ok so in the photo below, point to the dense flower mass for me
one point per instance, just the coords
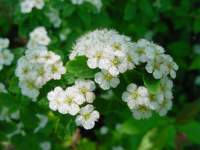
(28, 5)
(96, 3)
(70, 101)
(114, 54)
(6, 57)
(141, 102)
(39, 65)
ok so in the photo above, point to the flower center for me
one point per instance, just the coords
(83, 90)
(86, 116)
(68, 100)
(116, 46)
(107, 77)
(134, 95)
(115, 61)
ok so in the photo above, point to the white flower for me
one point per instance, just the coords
(135, 96)
(56, 70)
(39, 35)
(155, 99)
(38, 65)
(29, 88)
(87, 117)
(166, 86)
(96, 58)
(164, 107)
(142, 50)
(39, 4)
(2, 88)
(27, 6)
(116, 65)
(106, 80)
(55, 98)
(170, 66)
(4, 43)
(86, 88)
(161, 66)
(142, 111)
(66, 102)
(6, 57)
(105, 49)
(71, 101)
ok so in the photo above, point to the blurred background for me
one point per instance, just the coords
(174, 24)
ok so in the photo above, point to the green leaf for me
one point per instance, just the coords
(191, 129)
(158, 138)
(78, 67)
(130, 11)
(151, 84)
(196, 25)
(86, 144)
(196, 63)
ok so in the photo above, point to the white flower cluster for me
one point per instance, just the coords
(28, 5)
(141, 102)
(2, 88)
(157, 62)
(71, 101)
(6, 57)
(39, 39)
(114, 54)
(39, 65)
(96, 3)
(108, 51)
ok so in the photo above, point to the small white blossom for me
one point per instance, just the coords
(4, 43)
(87, 117)
(39, 35)
(86, 88)
(106, 80)
(135, 96)
(28, 5)
(6, 57)
(55, 98)
(164, 107)
(142, 111)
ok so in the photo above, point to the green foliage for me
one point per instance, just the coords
(78, 67)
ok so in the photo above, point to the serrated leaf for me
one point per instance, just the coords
(78, 67)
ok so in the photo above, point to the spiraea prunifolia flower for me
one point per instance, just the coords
(39, 65)
(6, 57)
(28, 5)
(71, 101)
